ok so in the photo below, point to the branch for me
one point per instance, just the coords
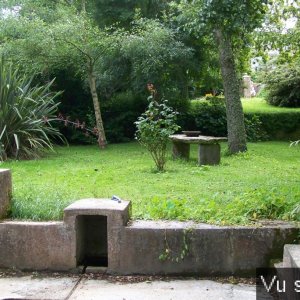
(76, 47)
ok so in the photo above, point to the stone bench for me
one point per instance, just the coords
(209, 148)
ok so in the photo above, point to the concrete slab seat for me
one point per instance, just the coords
(209, 148)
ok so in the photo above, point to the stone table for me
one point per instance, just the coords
(209, 148)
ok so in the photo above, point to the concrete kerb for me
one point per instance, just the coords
(139, 247)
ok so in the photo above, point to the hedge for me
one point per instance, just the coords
(210, 119)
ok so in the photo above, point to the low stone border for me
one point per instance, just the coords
(140, 247)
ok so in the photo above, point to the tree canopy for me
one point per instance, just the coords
(114, 48)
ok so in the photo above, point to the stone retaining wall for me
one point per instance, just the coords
(211, 250)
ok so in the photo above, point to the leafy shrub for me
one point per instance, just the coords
(210, 117)
(154, 127)
(254, 129)
(283, 85)
(120, 114)
(25, 115)
(277, 125)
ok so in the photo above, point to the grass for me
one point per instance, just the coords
(262, 183)
(259, 105)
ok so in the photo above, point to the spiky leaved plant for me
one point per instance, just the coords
(26, 112)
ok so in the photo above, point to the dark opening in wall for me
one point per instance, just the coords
(91, 240)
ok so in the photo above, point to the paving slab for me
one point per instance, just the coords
(91, 289)
(28, 287)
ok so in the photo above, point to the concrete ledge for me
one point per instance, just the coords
(291, 256)
(5, 192)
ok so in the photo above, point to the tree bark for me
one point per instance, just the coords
(99, 121)
(83, 5)
(234, 110)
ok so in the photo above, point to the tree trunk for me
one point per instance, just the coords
(234, 110)
(83, 5)
(99, 122)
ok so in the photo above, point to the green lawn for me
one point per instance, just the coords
(262, 183)
(259, 105)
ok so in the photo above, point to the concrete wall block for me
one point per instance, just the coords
(5, 192)
(291, 256)
(36, 246)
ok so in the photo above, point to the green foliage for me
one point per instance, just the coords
(262, 121)
(25, 115)
(254, 129)
(280, 125)
(168, 209)
(295, 213)
(154, 127)
(254, 205)
(155, 55)
(122, 13)
(120, 114)
(71, 39)
(230, 22)
(235, 16)
(275, 35)
(210, 118)
(251, 205)
(283, 85)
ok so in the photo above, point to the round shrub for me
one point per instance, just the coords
(283, 86)
(154, 127)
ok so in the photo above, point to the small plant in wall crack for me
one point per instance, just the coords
(172, 255)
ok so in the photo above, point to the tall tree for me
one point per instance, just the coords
(229, 21)
(71, 39)
(76, 32)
